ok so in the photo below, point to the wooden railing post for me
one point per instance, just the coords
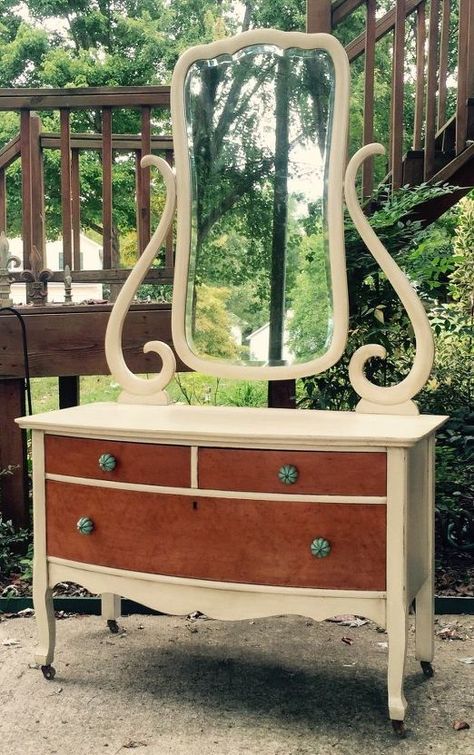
(397, 95)
(431, 85)
(369, 77)
(107, 185)
(143, 183)
(443, 61)
(37, 188)
(66, 209)
(26, 198)
(420, 76)
(76, 209)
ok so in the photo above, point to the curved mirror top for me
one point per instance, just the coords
(258, 126)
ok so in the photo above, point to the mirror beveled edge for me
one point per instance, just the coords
(336, 168)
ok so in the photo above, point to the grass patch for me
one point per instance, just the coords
(188, 387)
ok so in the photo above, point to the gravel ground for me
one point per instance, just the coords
(283, 686)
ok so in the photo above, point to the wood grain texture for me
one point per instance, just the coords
(319, 472)
(257, 542)
(26, 203)
(107, 187)
(66, 206)
(136, 462)
(83, 97)
(82, 352)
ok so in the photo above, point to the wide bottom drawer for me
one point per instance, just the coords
(226, 540)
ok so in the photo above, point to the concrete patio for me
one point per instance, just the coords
(274, 687)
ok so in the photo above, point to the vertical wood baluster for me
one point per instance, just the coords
(443, 62)
(430, 126)
(397, 95)
(318, 16)
(461, 104)
(66, 209)
(107, 187)
(38, 237)
(368, 136)
(26, 225)
(138, 202)
(470, 55)
(420, 76)
(145, 177)
(76, 209)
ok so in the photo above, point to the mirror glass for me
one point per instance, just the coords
(258, 128)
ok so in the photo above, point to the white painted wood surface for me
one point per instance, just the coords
(237, 426)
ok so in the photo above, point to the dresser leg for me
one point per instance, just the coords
(46, 625)
(424, 625)
(111, 609)
(397, 629)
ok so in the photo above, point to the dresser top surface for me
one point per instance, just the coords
(234, 425)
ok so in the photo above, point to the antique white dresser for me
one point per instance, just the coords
(245, 512)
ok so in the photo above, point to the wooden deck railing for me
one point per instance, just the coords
(438, 132)
(441, 128)
(29, 145)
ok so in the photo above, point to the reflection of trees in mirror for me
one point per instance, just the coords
(258, 127)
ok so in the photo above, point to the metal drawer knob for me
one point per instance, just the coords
(320, 547)
(85, 525)
(288, 474)
(107, 462)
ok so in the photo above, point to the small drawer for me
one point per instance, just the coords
(122, 461)
(293, 472)
(294, 543)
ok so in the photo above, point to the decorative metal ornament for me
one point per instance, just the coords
(320, 547)
(85, 525)
(288, 474)
(37, 279)
(107, 462)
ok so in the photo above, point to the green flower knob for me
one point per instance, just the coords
(288, 474)
(85, 525)
(107, 462)
(320, 548)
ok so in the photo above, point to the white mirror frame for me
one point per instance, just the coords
(335, 221)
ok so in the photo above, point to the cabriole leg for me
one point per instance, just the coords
(397, 629)
(111, 608)
(46, 625)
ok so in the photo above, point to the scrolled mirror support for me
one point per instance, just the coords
(395, 399)
(138, 390)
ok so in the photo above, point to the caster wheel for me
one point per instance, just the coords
(113, 626)
(49, 672)
(427, 668)
(399, 728)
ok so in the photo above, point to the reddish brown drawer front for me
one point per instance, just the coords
(318, 472)
(262, 542)
(135, 462)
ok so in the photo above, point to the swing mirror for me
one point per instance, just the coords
(258, 126)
